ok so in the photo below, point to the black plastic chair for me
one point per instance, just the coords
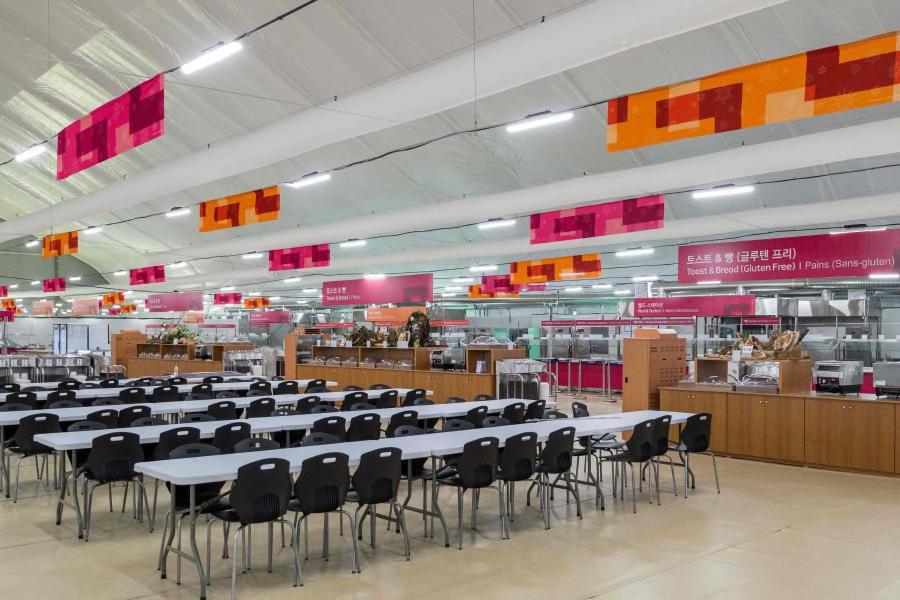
(358, 406)
(226, 410)
(58, 395)
(130, 413)
(322, 488)
(593, 447)
(554, 414)
(305, 405)
(29, 398)
(78, 457)
(495, 421)
(203, 388)
(256, 444)
(409, 418)
(366, 426)
(89, 385)
(333, 425)
(413, 395)
(315, 384)
(132, 395)
(352, 388)
(261, 407)
(111, 460)
(107, 416)
(198, 396)
(379, 386)
(10, 387)
(197, 418)
(106, 402)
(164, 393)
(278, 378)
(457, 425)
(535, 410)
(110, 382)
(694, 439)
(10, 430)
(287, 387)
(377, 481)
(318, 438)
(660, 440)
(68, 384)
(213, 379)
(226, 437)
(319, 409)
(387, 399)
(477, 415)
(176, 381)
(64, 404)
(556, 459)
(514, 413)
(23, 446)
(140, 382)
(517, 462)
(454, 400)
(261, 386)
(638, 449)
(226, 394)
(475, 469)
(482, 398)
(353, 398)
(148, 422)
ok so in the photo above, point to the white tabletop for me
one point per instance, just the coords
(193, 471)
(77, 440)
(339, 396)
(148, 390)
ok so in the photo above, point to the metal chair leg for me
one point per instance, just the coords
(715, 471)
(459, 516)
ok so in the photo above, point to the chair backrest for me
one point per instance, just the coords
(113, 456)
(132, 395)
(319, 438)
(193, 450)
(514, 413)
(222, 411)
(535, 410)
(198, 396)
(226, 394)
(175, 438)
(413, 395)
(262, 490)
(177, 381)
(280, 378)
(164, 393)
(106, 402)
(62, 395)
(579, 410)
(639, 447)
(352, 388)
(696, 432)
(323, 408)
(352, 398)
(409, 418)
(422, 402)
(387, 399)
(140, 382)
(495, 421)
(254, 379)
(555, 414)
(482, 398)
(315, 390)
(362, 406)
(10, 387)
(235, 380)
(454, 400)
(148, 422)
(203, 388)
(315, 384)
(213, 379)
(197, 418)
(261, 407)
(256, 444)
(457, 425)
(305, 405)
(323, 483)
(407, 430)
(86, 426)
(29, 398)
(660, 434)
(379, 386)
(287, 387)
(518, 456)
(227, 436)
(377, 478)
(109, 383)
(32, 425)
(477, 415)
(68, 384)
(107, 416)
(261, 386)
(130, 414)
(64, 404)
(366, 426)
(89, 385)
(333, 425)
(477, 465)
(556, 457)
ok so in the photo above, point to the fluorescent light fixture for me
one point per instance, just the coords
(30, 153)
(722, 192)
(92, 230)
(775, 289)
(352, 243)
(574, 289)
(884, 275)
(252, 256)
(601, 286)
(453, 288)
(310, 291)
(450, 295)
(178, 212)
(709, 282)
(302, 301)
(32, 243)
(855, 229)
(178, 265)
(227, 288)
(311, 179)
(14, 286)
(293, 279)
(274, 298)
(482, 268)
(254, 294)
(539, 121)
(35, 283)
(211, 56)
(121, 273)
(495, 223)
(463, 280)
(129, 293)
(374, 276)
(57, 304)
(622, 292)
(75, 278)
(641, 278)
(635, 252)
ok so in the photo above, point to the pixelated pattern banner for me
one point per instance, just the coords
(818, 82)
(302, 257)
(4, 291)
(135, 117)
(257, 206)
(477, 291)
(256, 302)
(8, 304)
(143, 275)
(59, 244)
(562, 268)
(494, 284)
(234, 298)
(112, 298)
(622, 216)
(57, 284)
(128, 308)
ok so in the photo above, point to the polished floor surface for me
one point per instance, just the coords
(774, 532)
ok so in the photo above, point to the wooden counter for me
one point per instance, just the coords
(181, 355)
(822, 430)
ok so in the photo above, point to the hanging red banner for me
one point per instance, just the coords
(562, 268)
(695, 306)
(608, 218)
(174, 302)
(246, 208)
(302, 257)
(400, 289)
(7, 316)
(232, 298)
(144, 275)
(59, 244)
(264, 318)
(4, 291)
(132, 119)
(477, 292)
(42, 308)
(82, 307)
(56, 284)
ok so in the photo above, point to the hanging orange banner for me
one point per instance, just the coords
(128, 308)
(562, 268)
(477, 292)
(256, 302)
(257, 206)
(819, 82)
(58, 244)
(8, 304)
(112, 298)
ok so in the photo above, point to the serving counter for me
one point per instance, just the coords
(152, 359)
(857, 433)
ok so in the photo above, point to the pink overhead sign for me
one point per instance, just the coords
(695, 306)
(175, 302)
(42, 308)
(85, 306)
(608, 218)
(401, 289)
(269, 317)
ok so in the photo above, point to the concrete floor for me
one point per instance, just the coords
(774, 532)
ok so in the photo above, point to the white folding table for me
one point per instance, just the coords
(184, 388)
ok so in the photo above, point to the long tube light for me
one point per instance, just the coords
(92, 230)
(212, 56)
(884, 275)
(252, 255)
(120, 273)
(601, 286)
(622, 292)
(855, 229)
(539, 121)
(641, 278)
(635, 252)
(352, 244)
(710, 282)
(463, 280)
(32, 243)
(374, 276)
(293, 279)
(482, 268)
(311, 179)
(722, 192)
(494, 224)
(30, 153)
(178, 212)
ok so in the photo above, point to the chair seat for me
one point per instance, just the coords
(219, 506)
(452, 479)
(607, 444)
(294, 506)
(38, 449)
(680, 447)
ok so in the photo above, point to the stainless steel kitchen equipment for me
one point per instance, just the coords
(838, 376)
(887, 378)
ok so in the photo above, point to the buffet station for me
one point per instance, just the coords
(175, 350)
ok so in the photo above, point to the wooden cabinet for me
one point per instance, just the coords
(651, 359)
(850, 434)
(689, 400)
(746, 424)
(785, 429)
(765, 426)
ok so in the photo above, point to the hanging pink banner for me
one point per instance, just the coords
(42, 308)
(175, 302)
(617, 322)
(144, 275)
(7, 316)
(134, 118)
(232, 298)
(302, 257)
(57, 284)
(608, 218)
(4, 291)
(695, 306)
(265, 318)
(806, 257)
(401, 289)
(770, 320)
(83, 307)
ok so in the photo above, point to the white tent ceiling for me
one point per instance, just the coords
(337, 47)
